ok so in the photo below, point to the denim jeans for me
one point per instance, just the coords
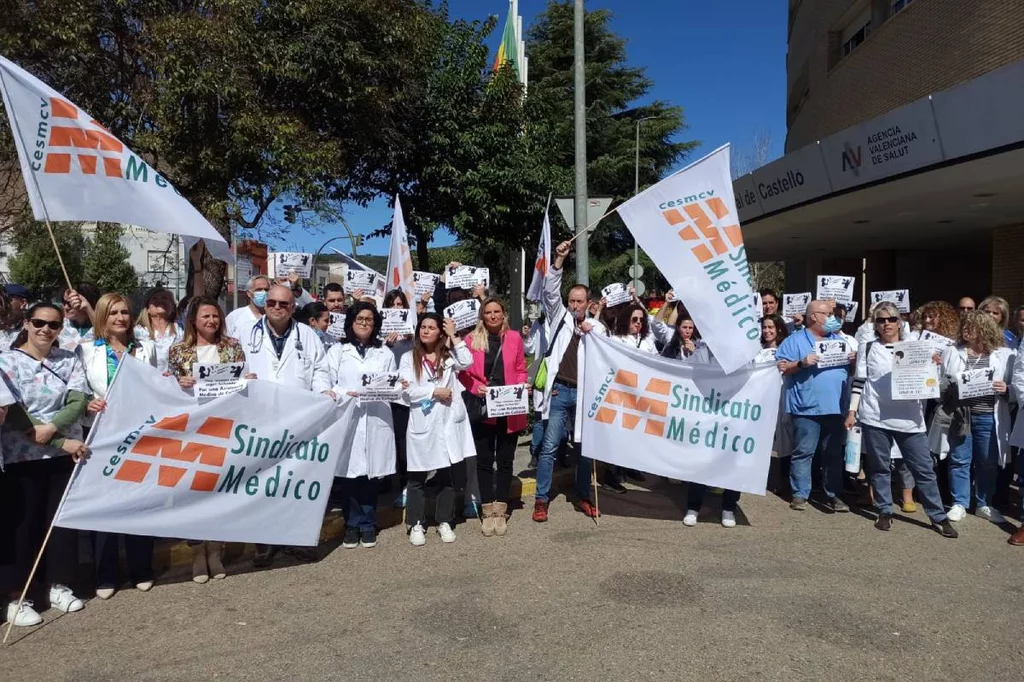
(539, 427)
(916, 457)
(359, 502)
(980, 447)
(561, 416)
(808, 433)
(695, 498)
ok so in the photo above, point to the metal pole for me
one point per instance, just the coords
(636, 190)
(580, 117)
(234, 270)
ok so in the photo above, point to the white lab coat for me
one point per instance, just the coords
(303, 363)
(373, 446)
(439, 435)
(954, 360)
(239, 321)
(94, 359)
(535, 343)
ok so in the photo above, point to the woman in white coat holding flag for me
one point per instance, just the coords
(439, 437)
(372, 455)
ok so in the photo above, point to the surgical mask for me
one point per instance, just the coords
(832, 324)
(259, 299)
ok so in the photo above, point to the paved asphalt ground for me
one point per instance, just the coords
(784, 596)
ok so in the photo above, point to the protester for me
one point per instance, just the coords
(79, 305)
(439, 437)
(293, 282)
(686, 339)
(769, 302)
(400, 344)
(885, 421)
(372, 455)
(979, 429)
(334, 297)
(157, 323)
(999, 310)
(498, 359)
(19, 296)
(814, 398)
(10, 325)
(316, 316)
(1018, 321)
(535, 344)
(49, 389)
(965, 305)
(241, 320)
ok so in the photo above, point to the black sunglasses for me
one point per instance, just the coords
(271, 303)
(892, 320)
(636, 319)
(39, 324)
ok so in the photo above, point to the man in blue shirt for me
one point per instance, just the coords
(814, 398)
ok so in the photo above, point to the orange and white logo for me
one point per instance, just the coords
(623, 399)
(699, 230)
(80, 144)
(174, 457)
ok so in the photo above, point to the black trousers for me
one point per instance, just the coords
(494, 445)
(29, 495)
(445, 481)
(138, 551)
(400, 419)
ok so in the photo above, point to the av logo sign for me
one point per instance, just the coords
(87, 143)
(633, 405)
(851, 158)
(174, 457)
(705, 240)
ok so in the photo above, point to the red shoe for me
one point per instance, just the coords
(540, 511)
(586, 508)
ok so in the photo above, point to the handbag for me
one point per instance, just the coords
(540, 380)
(476, 407)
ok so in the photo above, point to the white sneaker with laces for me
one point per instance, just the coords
(64, 600)
(956, 513)
(24, 617)
(990, 514)
(729, 519)
(417, 536)
(691, 518)
(446, 533)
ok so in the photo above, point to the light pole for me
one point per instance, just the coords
(636, 190)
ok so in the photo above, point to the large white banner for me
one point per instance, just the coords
(74, 169)
(540, 265)
(255, 466)
(683, 420)
(688, 225)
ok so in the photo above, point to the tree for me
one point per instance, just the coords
(106, 263)
(35, 265)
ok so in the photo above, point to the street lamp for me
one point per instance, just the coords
(636, 190)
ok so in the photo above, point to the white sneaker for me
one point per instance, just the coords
(691, 518)
(64, 600)
(147, 585)
(729, 519)
(956, 513)
(417, 536)
(989, 514)
(26, 616)
(446, 533)
(104, 592)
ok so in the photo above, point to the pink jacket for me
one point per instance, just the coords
(513, 360)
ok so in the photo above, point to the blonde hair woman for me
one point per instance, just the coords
(998, 309)
(156, 323)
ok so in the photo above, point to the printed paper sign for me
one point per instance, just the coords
(759, 307)
(901, 297)
(765, 355)
(367, 280)
(832, 353)
(220, 378)
(915, 376)
(396, 321)
(424, 283)
(976, 383)
(505, 401)
(838, 288)
(795, 304)
(380, 387)
(938, 342)
(851, 311)
(467, 277)
(336, 329)
(464, 313)
(286, 262)
(616, 294)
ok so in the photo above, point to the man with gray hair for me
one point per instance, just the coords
(239, 322)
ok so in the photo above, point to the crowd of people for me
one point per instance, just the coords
(59, 360)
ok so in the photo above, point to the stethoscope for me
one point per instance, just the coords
(258, 332)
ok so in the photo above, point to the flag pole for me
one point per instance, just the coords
(593, 478)
(592, 225)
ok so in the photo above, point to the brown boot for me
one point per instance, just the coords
(489, 520)
(199, 571)
(1018, 537)
(214, 554)
(500, 519)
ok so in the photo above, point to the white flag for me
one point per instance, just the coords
(75, 169)
(255, 466)
(688, 225)
(400, 272)
(683, 420)
(540, 266)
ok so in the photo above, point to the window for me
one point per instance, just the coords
(897, 5)
(859, 36)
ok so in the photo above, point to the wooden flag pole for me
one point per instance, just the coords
(592, 225)
(53, 238)
(593, 478)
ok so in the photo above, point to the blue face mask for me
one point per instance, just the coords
(832, 324)
(259, 299)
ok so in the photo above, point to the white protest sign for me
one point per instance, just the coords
(464, 313)
(683, 420)
(467, 277)
(380, 387)
(765, 355)
(851, 311)
(759, 306)
(937, 341)
(424, 282)
(795, 304)
(216, 379)
(396, 321)
(832, 353)
(838, 288)
(976, 383)
(366, 280)
(901, 297)
(915, 376)
(245, 467)
(616, 294)
(336, 328)
(283, 263)
(505, 401)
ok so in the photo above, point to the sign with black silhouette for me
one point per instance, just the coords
(285, 262)
(467, 277)
(616, 293)
(379, 387)
(365, 280)
(505, 401)
(938, 342)
(838, 288)
(396, 321)
(976, 383)
(424, 283)
(915, 376)
(220, 378)
(795, 304)
(464, 313)
(336, 327)
(901, 297)
(832, 353)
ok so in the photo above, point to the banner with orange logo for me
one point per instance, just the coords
(678, 419)
(75, 169)
(255, 466)
(689, 226)
(400, 272)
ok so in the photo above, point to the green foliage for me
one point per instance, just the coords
(36, 265)
(106, 262)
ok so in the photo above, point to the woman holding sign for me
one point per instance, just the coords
(206, 342)
(498, 360)
(352, 363)
(439, 437)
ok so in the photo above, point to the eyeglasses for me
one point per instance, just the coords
(883, 320)
(271, 303)
(363, 320)
(39, 324)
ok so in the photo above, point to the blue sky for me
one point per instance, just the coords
(723, 62)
